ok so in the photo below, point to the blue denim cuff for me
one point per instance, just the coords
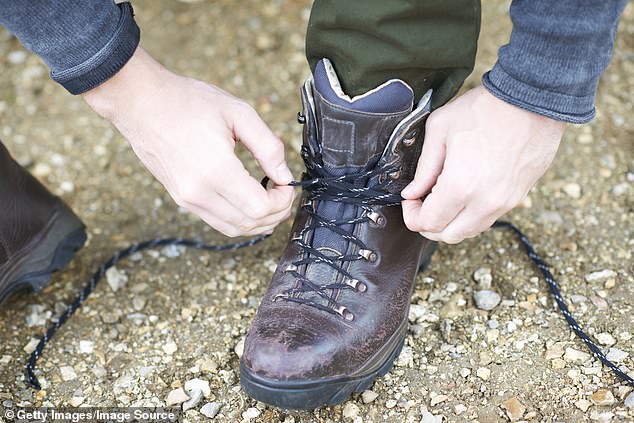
(107, 61)
(558, 106)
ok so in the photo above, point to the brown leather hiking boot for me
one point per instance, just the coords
(335, 314)
(39, 234)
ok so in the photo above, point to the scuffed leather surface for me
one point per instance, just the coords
(295, 342)
(25, 207)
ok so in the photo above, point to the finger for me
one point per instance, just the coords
(432, 158)
(267, 148)
(281, 197)
(242, 190)
(468, 224)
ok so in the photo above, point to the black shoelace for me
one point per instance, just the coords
(351, 189)
(334, 189)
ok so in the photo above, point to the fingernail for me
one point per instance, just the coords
(284, 173)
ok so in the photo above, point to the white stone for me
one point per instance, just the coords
(86, 347)
(68, 373)
(583, 404)
(211, 409)
(195, 396)
(483, 277)
(600, 275)
(573, 190)
(465, 372)
(430, 418)
(116, 278)
(239, 348)
(605, 338)
(351, 410)
(198, 384)
(170, 348)
(437, 399)
(251, 413)
(629, 401)
(171, 251)
(368, 396)
(76, 401)
(176, 396)
(483, 373)
(486, 300)
(405, 358)
(575, 355)
(460, 408)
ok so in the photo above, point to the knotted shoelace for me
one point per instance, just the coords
(334, 189)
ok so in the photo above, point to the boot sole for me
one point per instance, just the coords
(50, 252)
(311, 395)
(308, 395)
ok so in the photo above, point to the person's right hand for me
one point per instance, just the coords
(185, 131)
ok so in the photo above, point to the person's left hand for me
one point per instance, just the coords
(480, 158)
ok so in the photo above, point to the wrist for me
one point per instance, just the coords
(124, 93)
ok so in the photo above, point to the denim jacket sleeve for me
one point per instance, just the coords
(557, 52)
(83, 43)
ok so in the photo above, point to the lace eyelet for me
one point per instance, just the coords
(410, 138)
(395, 174)
(376, 218)
(290, 268)
(344, 312)
(301, 119)
(369, 255)
(356, 284)
(279, 297)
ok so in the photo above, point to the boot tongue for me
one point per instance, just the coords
(354, 131)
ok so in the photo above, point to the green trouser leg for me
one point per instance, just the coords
(426, 43)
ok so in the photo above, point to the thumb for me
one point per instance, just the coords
(266, 148)
(431, 160)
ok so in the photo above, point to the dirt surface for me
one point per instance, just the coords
(181, 315)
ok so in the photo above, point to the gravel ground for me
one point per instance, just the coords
(177, 319)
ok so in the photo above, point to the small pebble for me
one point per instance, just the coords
(351, 410)
(486, 300)
(483, 277)
(483, 373)
(368, 396)
(575, 355)
(603, 397)
(583, 404)
(573, 190)
(460, 408)
(437, 399)
(68, 373)
(605, 338)
(514, 409)
(390, 403)
(629, 401)
(405, 358)
(251, 413)
(170, 348)
(616, 355)
(198, 385)
(211, 409)
(76, 401)
(600, 276)
(195, 396)
(86, 347)
(116, 279)
(176, 396)
(239, 348)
